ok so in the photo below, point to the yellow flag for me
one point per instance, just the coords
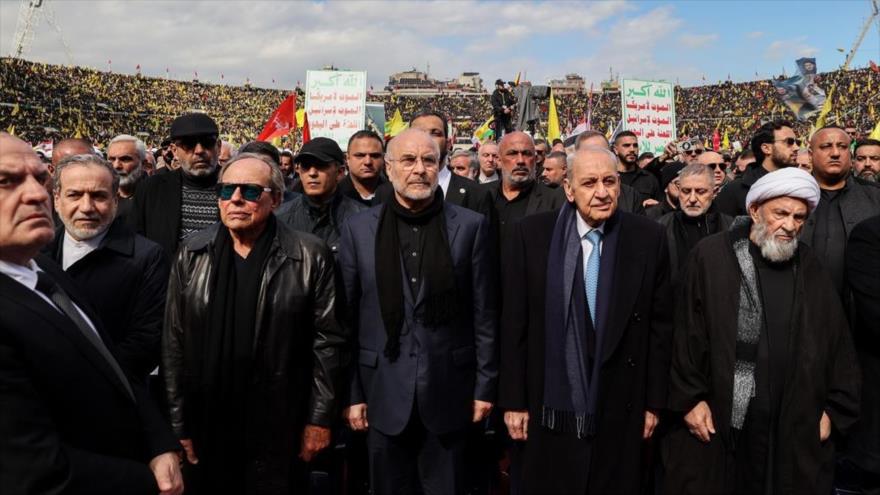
(826, 108)
(15, 110)
(516, 81)
(553, 120)
(299, 117)
(484, 131)
(396, 125)
(852, 86)
(725, 143)
(11, 130)
(875, 134)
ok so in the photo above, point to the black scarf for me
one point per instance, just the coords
(441, 303)
(224, 355)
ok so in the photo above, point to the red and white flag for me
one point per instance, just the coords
(282, 121)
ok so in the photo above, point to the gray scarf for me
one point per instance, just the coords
(749, 321)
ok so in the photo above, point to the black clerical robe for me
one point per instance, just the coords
(821, 375)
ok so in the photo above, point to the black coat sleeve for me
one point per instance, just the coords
(661, 330)
(863, 274)
(689, 380)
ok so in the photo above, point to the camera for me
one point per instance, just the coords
(685, 146)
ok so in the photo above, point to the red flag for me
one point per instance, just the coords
(716, 140)
(282, 121)
(874, 66)
(307, 135)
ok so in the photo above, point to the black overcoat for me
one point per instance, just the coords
(824, 375)
(635, 358)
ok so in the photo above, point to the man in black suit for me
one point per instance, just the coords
(418, 273)
(518, 194)
(587, 329)
(123, 275)
(72, 421)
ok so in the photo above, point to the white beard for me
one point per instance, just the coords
(772, 248)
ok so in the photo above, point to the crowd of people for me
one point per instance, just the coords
(531, 317)
(46, 101)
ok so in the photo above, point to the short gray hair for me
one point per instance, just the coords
(569, 172)
(86, 159)
(696, 169)
(276, 178)
(473, 163)
(138, 144)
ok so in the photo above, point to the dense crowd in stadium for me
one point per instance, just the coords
(41, 101)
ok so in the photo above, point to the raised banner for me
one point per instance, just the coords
(649, 112)
(336, 103)
(800, 93)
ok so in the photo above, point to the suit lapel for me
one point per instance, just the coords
(36, 307)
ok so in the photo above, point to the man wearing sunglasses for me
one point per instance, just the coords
(322, 208)
(173, 205)
(775, 146)
(715, 163)
(252, 351)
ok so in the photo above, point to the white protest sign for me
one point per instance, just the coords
(649, 112)
(336, 103)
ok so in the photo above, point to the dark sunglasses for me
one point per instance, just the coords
(250, 192)
(694, 152)
(788, 141)
(713, 166)
(190, 142)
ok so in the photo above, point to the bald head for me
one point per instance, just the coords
(70, 147)
(513, 139)
(413, 166)
(517, 152)
(592, 156)
(407, 138)
(822, 135)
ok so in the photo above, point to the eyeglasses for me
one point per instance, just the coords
(697, 152)
(250, 192)
(789, 141)
(409, 161)
(713, 166)
(190, 142)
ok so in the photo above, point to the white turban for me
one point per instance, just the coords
(790, 181)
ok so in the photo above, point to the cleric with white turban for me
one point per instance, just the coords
(792, 182)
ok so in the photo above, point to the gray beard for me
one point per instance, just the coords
(128, 180)
(773, 249)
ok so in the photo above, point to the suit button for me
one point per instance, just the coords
(629, 406)
(637, 317)
(630, 362)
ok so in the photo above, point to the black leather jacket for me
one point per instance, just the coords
(300, 348)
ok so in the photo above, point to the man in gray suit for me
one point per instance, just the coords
(427, 360)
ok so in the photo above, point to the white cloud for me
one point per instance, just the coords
(789, 49)
(697, 40)
(753, 35)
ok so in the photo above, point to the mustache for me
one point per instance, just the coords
(520, 168)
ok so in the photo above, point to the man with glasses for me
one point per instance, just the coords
(775, 146)
(542, 149)
(518, 194)
(419, 274)
(714, 162)
(175, 204)
(845, 201)
(127, 155)
(252, 351)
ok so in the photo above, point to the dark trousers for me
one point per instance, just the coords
(417, 461)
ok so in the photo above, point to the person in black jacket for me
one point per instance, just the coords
(173, 205)
(72, 419)
(626, 146)
(246, 394)
(863, 274)
(502, 109)
(123, 275)
(366, 165)
(775, 146)
(322, 209)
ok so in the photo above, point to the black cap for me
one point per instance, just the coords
(325, 150)
(669, 173)
(193, 124)
(499, 82)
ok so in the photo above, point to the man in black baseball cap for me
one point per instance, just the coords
(322, 208)
(177, 203)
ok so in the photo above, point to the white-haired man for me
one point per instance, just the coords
(127, 154)
(763, 367)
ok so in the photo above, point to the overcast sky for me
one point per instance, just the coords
(684, 41)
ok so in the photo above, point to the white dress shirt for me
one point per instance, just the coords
(74, 250)
(443, 178)
(27, 276)
(584, 229)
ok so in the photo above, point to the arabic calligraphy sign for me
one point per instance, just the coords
(336, 103)
(649, 112)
